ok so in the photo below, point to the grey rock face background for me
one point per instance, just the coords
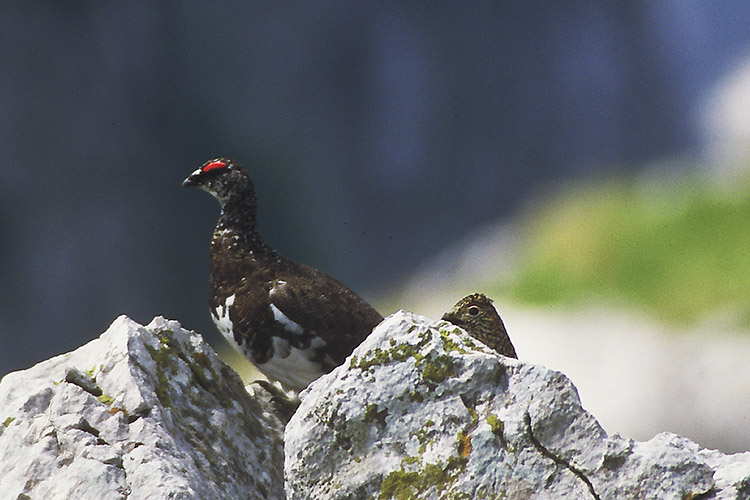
(140, 412)
(374, 131)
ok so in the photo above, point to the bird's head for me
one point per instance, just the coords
(225, 180)
(473, 310)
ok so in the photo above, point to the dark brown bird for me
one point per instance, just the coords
(476, 314)
(295, 323)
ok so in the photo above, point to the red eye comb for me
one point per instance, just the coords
(214, 165)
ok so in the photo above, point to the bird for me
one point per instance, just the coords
(476, 314)
(292, 321)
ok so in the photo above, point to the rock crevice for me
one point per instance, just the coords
(559, 461)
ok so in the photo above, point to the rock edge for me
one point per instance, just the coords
(422, 410)
(140, 412)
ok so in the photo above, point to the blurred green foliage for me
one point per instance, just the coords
(676, 247)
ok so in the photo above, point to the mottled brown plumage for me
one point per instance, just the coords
(476, 314)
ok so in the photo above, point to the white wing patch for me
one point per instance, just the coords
(289, 365)
(287, 323)
(221, 320)
(292, 366)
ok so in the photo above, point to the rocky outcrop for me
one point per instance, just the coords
(421, 410)
(141, 412)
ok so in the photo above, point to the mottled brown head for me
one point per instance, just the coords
(476, 314)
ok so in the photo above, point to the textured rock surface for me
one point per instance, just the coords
(422, 410)
(140, 412)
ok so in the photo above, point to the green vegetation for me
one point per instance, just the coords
(679, 249)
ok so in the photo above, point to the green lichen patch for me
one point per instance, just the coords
(8, 421)
(378, 356)
(167, 355)
(397, 352)
(474, 417)
(200, 367)
(425, 435)
(372, 414)
(438, 369)
(496, 425)
(404, 485)
(371, 409)
(350, 437)
(164, 362)
(107, 400)
(464, 345)
(413, 396)
(433, 369)
(450, 345)
(165, 339)
(325, 412)
(202, 360)
(498, 429)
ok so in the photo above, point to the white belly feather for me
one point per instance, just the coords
(221, 320)
(289, 365)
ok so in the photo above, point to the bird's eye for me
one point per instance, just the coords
(473, 311)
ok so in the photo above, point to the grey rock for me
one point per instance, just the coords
(422, 410)
(140, 412)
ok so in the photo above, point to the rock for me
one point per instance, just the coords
(140, 412)
(422, 410)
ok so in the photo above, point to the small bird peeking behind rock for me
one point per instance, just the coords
(476, 314)
(293, 322)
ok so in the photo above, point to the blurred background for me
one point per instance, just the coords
(585, 165)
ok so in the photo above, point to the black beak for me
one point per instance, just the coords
(191, 181)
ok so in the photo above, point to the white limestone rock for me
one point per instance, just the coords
(422, 410)
(140, 412)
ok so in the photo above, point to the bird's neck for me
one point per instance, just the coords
(239, 215)
(236, 233)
